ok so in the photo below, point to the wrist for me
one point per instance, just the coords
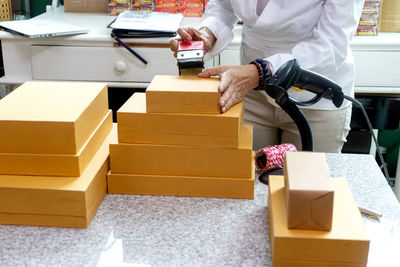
(262, 70)
(255, 77)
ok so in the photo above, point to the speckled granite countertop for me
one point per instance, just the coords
(133, 230)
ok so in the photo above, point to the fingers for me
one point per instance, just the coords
(189, 34)
(225, 87)
(231, 93)
(212, 72)
(225, 82)
(174, 45)
(229, 98)
(186, 34)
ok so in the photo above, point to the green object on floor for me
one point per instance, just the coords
(390, 139)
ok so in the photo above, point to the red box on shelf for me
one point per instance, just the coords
(191, 8)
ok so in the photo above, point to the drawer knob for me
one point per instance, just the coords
(120, 66)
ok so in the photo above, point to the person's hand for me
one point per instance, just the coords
(236, 81)
(192, 34)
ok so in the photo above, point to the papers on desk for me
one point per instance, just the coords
(146, 24)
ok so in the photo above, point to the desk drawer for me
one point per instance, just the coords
(113, 64)
(377, 68)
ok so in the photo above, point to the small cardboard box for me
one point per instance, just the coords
(189, 186)
(184, 160)
(137, 126)
(347, 243)
(183, 94)
(309, 191)
(57, 165)
(56, 201)
(51, 117)
(88, 6)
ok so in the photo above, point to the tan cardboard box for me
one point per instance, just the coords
(57, 165)
(188, 186)
(184, 160)
(309, 191)
(137, 126)
(56, 201)
(88, 6)
(51, 117)
(347, 243)
(183, 94)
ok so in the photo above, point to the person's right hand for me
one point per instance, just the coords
(192, 34)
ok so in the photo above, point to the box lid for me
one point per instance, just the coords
(183, 94)
(51, 117)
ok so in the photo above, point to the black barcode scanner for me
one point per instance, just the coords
(291, 76)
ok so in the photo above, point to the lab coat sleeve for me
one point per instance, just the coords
(328, 46)
(220, 18)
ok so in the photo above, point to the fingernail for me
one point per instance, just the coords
(222, 103)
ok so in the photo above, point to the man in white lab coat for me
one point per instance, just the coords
(316, 32)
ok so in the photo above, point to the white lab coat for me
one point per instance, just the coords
(316, 32)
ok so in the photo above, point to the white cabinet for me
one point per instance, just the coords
(230, 57)
(376, 58)
(377, 68)
(112, 64)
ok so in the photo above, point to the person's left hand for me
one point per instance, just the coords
(236, 81)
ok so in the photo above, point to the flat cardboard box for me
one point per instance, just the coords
(185, 186)
(184, 160)
(88, 6)
(55, 201)
(137, 126)
(57, 165)
(309, 191)
(347, 243)
(183, 94)
(51, 117)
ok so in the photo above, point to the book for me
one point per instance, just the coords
(146, 24)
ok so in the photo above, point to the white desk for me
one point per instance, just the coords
(85, 57)
(92, 57)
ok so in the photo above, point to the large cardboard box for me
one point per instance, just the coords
(57, 165)
(51, 117)
(56, 201)
(190, 186)
(309, 191)
(88, 6)
(390, 16)
(136, 125)
(347, 243)
(184, 160)
(183, 94)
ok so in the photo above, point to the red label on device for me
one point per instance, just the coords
(191, 45)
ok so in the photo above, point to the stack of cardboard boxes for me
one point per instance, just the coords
(174, 141)
(313, 219)
(54, 153)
